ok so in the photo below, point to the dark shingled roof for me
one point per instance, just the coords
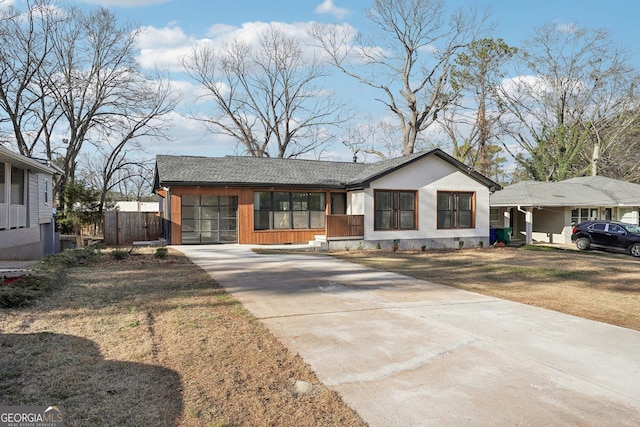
(260, 171)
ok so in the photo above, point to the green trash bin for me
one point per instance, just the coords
(504, 235)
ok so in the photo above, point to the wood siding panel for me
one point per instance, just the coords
(246, 233)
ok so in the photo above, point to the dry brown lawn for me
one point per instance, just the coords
(155, 342)
(594, 285)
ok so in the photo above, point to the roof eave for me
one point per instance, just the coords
(249, 185)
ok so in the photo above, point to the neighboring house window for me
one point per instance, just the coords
(583, 214)
(283, 210)
(395, 210)
(2, 186)
(46, 191)
(17, 186)
(494, 215)
(456, 209)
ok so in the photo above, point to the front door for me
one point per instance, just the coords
(209, 219)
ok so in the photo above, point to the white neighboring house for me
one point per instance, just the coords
(27, 225)
(548, 211)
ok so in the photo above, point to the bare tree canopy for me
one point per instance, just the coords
(265, 96)
(572, 83)
(407, 59)
(69, 82)
(26, 66)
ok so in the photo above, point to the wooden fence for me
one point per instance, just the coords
(123, 228)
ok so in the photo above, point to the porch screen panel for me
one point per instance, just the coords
(317, 205)
(17, 186)
(281, 210)
(300, 210)
(262, 213)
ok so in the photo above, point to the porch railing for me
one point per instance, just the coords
(345, 226)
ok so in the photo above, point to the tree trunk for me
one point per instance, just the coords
(594, 159)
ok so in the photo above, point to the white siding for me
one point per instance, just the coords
(32, 199)
(45, 206)
(428, 176)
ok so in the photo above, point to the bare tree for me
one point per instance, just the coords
(265, 97)
(407, 60)
(118, 149)
(26, 65)
(371, 138)
(572, 82)
(621, 159)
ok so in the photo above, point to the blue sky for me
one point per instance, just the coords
(172, 26)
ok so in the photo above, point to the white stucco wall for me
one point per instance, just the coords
(355, 203)
(428, 176)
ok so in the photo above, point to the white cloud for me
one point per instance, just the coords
(189, 138)
(569, 28)
(124, 3)
(163, 47)
(328, 8)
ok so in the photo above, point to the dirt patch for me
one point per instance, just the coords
(149, 341)
(593, 285)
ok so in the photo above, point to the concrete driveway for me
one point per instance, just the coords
(405, 352)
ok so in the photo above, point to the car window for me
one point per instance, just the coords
(613, 228)
(633, 229)
(597, 227)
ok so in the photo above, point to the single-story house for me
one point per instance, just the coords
(548, 211)
(426, 198)
(27, 226)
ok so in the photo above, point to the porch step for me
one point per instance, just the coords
(319, 242)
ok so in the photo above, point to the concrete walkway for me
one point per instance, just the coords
(405, 352)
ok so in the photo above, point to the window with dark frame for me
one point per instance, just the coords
(394, 210)
(456, 209)
(283, 210)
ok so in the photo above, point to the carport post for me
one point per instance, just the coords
(528, 219)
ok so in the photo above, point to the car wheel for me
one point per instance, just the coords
(635, 250)
(583, 244)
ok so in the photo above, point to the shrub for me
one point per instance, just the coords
(161, 253)
(120, 254)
